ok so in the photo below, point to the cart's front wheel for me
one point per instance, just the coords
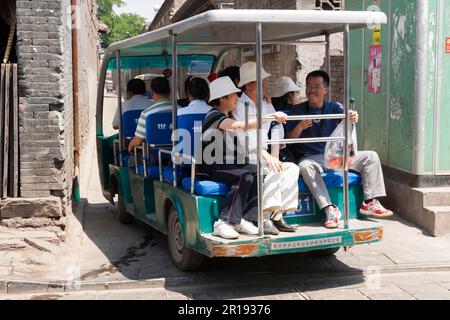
(183, 258)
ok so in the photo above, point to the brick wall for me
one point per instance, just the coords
(337, 77)
(282, 60)
(165, 13)
(46, 97)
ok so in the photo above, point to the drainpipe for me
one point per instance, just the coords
(76, 117)
(420, 90)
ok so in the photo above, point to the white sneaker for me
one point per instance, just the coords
(246, 227)
(224, 230)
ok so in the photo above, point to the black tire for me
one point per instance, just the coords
(182, 257)
(326, 252)
(124, 216)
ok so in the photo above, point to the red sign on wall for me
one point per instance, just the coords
(447, 45)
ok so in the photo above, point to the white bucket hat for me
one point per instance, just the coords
(221, 87)
(282, 86)
(247, 73)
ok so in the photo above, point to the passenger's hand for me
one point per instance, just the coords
(305, 124)
(354, 117)
(280, 116)
(274, 164)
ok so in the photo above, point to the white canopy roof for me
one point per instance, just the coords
(238, 27)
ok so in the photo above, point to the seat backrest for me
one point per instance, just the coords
(190, 124)
(158, 128)
(129, 122)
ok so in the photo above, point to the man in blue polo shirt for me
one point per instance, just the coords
(310, 156)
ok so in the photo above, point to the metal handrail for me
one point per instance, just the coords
(175, 154)
(136, 168)
(309, 117)
(193, 165)
(303, 140)
(115, 144)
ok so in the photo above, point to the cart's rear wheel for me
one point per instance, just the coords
(183, 258)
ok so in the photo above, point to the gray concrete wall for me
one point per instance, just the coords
(88, 65)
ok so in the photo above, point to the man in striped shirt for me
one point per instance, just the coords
(161, 94)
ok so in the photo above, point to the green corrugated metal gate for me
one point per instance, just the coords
(390, 124)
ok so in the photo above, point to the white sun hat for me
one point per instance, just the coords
(247, 73)
(282, 86)
(221, 87)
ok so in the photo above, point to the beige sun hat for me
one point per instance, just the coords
(247, 73)
(221, 87)
(282, 86)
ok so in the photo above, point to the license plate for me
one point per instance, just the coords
(306, 243)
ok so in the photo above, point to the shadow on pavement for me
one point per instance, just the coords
(115, 252)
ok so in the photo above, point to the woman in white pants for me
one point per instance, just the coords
(281, 178)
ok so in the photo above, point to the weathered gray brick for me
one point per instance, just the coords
(33, 107)
(46, 129)
(35, 193)
(36, 165)
(37, 179)
(46, 42)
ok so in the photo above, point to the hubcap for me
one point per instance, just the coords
(178, 236)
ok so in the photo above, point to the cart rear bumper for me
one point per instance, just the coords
(307, 238)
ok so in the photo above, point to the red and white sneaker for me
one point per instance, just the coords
(333, 216)
(375, 209)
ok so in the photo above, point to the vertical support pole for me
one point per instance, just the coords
(246, 104)
(259, 100)
(6, 126)
(2, 123)
(328, 63)
(174, 103)
(119, 105)
(15, 113)
(420, 86)
(346, 123)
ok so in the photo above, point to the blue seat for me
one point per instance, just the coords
(158, 132)
(212, 188)
(332, 179)
(190, 134)
(129, 122)
(205, 187)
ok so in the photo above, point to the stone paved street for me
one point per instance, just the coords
(395, 286)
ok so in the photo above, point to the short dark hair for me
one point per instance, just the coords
(232, 72)
(198, 88)
(186, 85)
(160, 85)
(136, 86)
(320, 73)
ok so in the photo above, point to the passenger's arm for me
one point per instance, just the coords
(297, 131)
(272, 162)
(275, 151)
(136, 141)
(230, 124)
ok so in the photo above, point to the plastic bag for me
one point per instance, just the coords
(334, 150)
